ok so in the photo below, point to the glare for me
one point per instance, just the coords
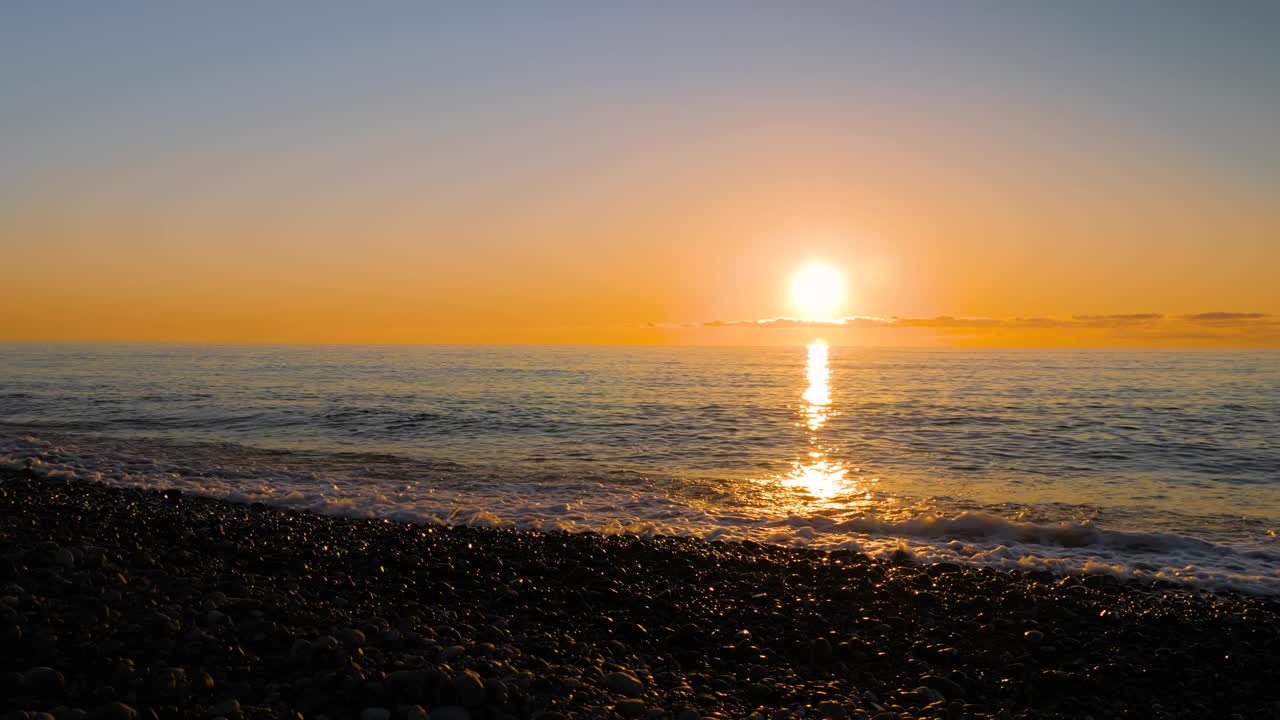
(817, 290)
(817, 396)
(820, 476)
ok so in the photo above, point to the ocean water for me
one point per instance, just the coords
(1150, 464)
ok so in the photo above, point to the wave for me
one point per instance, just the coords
(381, 486)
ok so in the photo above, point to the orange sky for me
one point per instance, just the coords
(640, 218)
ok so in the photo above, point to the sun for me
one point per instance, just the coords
(817, 290)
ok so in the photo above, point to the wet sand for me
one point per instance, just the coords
(123, 603)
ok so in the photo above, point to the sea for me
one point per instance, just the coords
(1154, 465)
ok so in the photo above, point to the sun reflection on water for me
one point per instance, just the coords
(818, 475)
(817, 397)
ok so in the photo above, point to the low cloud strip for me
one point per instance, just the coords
(1205, 324)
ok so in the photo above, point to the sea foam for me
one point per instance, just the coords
(631, 504)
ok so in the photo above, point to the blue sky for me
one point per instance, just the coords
(86, 81)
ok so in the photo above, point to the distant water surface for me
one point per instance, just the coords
(1149, 464)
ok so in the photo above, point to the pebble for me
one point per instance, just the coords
(203, 682)
(928, 694)
(583, 626)
(324, 644)
(630, 707)
(453, 652)
(821, 650)
(351, 637)
(948, 688)
(44, 681)
(113, 711)
(497, 691)
(470, 688)
(831, 710)
(624, 683)
(226, 708)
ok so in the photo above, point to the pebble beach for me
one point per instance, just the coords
(129, 603)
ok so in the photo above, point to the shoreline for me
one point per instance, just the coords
(1219, 554)
(123, 602)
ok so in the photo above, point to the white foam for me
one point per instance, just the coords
(635, 505)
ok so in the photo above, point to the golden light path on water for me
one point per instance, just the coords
(818, 475)
(817, 397)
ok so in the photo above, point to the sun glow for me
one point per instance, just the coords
(817, 290)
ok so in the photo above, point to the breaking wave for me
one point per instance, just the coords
(415, 490)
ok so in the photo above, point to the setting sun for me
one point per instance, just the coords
(817, 290)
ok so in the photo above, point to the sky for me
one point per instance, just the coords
(980, 173)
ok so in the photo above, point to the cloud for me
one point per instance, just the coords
(1126, 320)
(1134, 317)
(947, 321)
(1228, 327)
(1225, 317)
(940, 321)
(789, 322)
